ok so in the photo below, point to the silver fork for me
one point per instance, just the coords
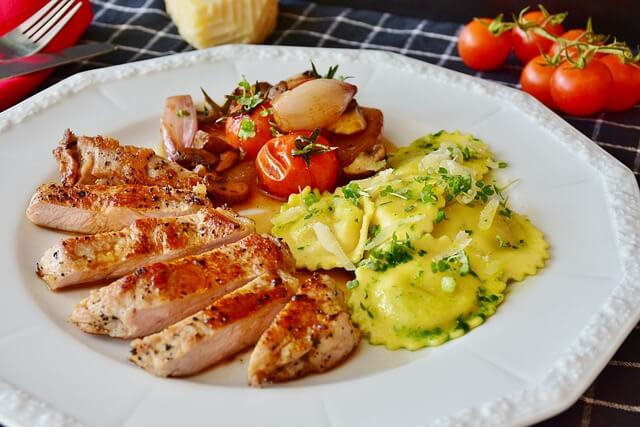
(38, 30)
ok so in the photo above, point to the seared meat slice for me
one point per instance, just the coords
(102, 160)
(110, 255)
(232, 323)
(158, 295)
(311, 334)
(100, 208)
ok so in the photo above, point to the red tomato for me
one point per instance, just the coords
(636, 73)
(481, 50)
(526, 44)
(625, 87)
(249, 132)
(581, 92)
(282, 173)
(574, 34)
(535, 80)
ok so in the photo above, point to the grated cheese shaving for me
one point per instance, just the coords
(329, 242)
(288, 216)
(387, 232)
(488, 213)
(252, 212)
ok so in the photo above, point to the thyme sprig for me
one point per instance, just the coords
(306, 147)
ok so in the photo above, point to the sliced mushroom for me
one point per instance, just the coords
(212, 139)
(349, 147)
(191, 157)
(367, 162)
(229, 191)
(350, 122)
(227, 159)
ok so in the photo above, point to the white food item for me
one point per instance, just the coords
(330, 244)
(488, 213)
(206, 23)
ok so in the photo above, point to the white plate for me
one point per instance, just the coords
(547, 342)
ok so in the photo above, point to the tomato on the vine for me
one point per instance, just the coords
(250, 131)
(527, 44)
(581, 91)
(288, 163)
(571, 35)
(480, 49)
(636, 77)
(625, 85)
(536, 78)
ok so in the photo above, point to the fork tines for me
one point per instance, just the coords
(39, 28)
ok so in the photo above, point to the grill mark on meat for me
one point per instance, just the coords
(311, 334)
(154, 296)
(100, 208)
(226, 327)
(102, 160)
(109, 255)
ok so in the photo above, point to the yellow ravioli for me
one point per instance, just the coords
(405, 306)
(309, 222)
(512, 242)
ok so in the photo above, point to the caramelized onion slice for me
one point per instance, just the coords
(179, 124)
(313, 104)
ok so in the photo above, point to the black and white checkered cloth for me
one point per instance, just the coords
(141, 29)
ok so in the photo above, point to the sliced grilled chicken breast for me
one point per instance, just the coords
(102, 160)
(160, 294)
(229, 325)
(311, 334)
(110, 255)
(100, 208)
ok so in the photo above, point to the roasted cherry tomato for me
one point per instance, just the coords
(535, 80)
(581, 91)
(625, 86)
(288, 163)
(527, 44)
(481, 50)
(250, 131)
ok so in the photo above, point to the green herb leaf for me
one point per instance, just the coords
(503, 165)
(331, 73)
(182, 113)
(374, 230)
(244, 84)
(219, 111)
(310, 198)
(265, 112)
(505, 211)
(247, 129)
(308, 147)
(440, 216)
(466, 153)
(397, 253)
(404, 193)
(427, 195)
(352, 284)
(249, 98)
(352, 192)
